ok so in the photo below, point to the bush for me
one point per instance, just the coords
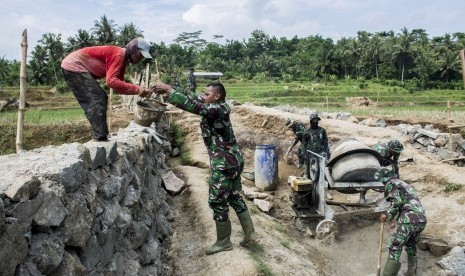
(450, 187)
(62, 87)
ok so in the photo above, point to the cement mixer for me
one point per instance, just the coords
(351, 169)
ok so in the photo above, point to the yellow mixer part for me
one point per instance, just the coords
(300, 184)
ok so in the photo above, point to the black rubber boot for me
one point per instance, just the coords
(412, 266)
(250, 236)
(392, 268)
(223, 234)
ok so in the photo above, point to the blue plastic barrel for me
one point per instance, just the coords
(266, 167)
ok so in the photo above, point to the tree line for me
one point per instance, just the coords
(409, 58)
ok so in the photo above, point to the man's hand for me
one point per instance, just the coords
(161, 88)
(383, 217)
(145, 93)
(288, 150)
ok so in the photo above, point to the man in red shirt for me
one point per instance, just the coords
(81, 68)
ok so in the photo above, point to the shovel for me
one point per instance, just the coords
(381, 233)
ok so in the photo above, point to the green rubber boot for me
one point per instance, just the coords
(392, 268)
(250, 236)
(223, 234)
(412, 266)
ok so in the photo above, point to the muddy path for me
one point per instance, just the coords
(285, 247)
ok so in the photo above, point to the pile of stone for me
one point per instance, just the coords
(433, 142)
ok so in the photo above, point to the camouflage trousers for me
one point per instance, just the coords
(224, 191)
(301, 155)
(406, 234)
(92, 99)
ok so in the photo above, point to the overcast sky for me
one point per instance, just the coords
(164, 20)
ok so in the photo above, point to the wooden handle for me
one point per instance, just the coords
(158, 77)
(381, 233)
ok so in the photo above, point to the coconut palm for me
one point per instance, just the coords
(402, 50)
(104, 30)
(82, 39)
(127, 33)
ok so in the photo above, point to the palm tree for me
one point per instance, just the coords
(450, 62)
(402, 50)
(104, 30)
(4, 68)
(82, 39)
(127, 33)
(55, 50)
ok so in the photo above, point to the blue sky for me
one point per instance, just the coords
(164, 20)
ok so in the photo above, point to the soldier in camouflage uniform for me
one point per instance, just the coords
(407, 212)
(298, 130)
(226, 161)
(315, 138)
(390, 153)
(191, 81)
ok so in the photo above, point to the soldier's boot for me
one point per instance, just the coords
(412, 266)
(250, 236)
(392, 268)
(223, 234)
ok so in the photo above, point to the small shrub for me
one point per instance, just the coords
(450, 187)
(62, 87)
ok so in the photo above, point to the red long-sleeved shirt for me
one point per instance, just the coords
(102, 61)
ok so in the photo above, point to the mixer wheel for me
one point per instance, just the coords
(325, 228)
(314, 168)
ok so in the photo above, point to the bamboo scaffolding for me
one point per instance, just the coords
(110, 105)
(22, 94)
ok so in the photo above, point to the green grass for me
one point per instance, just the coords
(257, 253)
(179, 137)
(310, 94)
(44, 117)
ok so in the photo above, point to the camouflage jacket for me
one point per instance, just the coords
(216, 127)
(191, 82)
(299, 130)
(316, 140)
(405, 205)
(386, 158)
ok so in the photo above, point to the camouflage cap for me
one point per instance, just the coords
(395, 146)
(289, 122)
(314, 116)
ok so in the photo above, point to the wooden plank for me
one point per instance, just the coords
(454, 159)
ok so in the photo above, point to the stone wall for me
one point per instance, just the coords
(86, 209)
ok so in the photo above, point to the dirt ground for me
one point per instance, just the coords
(285, 249)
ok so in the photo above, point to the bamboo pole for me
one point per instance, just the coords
(22, 95)
(110, 105)
(462, 59)
(451, 143)
(158, 77)
(449, 115)
(147, 74)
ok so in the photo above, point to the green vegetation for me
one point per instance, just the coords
(179, 137)
(44, 117)
(257, 253)
(287, 238)
(410, 60)
(36, 136)
(450, 187)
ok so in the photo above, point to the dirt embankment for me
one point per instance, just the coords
(284, 249)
